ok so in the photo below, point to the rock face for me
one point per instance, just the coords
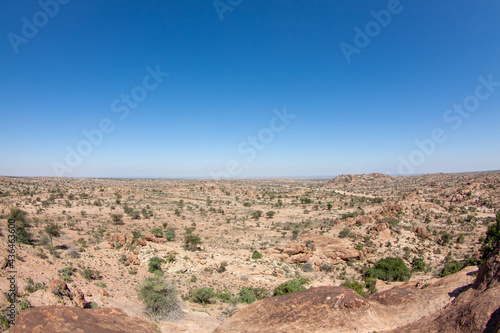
(63, 319)
(339, 309)
(475, 310)
(322, 309)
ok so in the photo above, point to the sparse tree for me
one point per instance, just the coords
(53, 231)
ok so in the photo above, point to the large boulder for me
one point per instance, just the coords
(475, 310)
(321, 309)
(64, 319)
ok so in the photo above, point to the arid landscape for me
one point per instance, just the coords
(228, 246)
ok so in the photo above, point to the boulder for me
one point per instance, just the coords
(67, 319)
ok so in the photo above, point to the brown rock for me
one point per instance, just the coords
(321, 309)
(421, 233)
(79, 299)
(141, 241)
(380, 227)
(130, 239)
(350, 254)
(475, 310)
(299, 258)
(66, 319)
(294, 248)
(59, 287)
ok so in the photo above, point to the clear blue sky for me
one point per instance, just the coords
(225, 78)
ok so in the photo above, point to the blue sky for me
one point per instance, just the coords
(64, 63)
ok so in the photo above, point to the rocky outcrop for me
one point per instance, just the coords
(74, 320)
(380, 227)
(322, 309)
(420, 232)
(120, 239)
(338, 309)
(475, 310)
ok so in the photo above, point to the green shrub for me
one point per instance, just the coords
(22, 225)
(160, 298)
(256, 255)
(418, 265)
(492, 240)
(290, 287)
(249, 294)
(155, 264)
(191, 242)
(66, 272)
(389, 269)
(224, 296)
(90, 274)
(356, 286)
(157, 231)
(32, 286)
(346, 232)
(201, 295)
(452, 267)
(170, 235)
(327, 268)
(393, 222)
(222, 267)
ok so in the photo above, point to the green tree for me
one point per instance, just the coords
(157, 231)
(170, 235)
(53, 231)
(116, 219)
(257, 214)
(389, 269)
(290, 287)
(191, 241)
(492, 240)
(270, 214)
(22, 224)
(155, 264)
(161, 299)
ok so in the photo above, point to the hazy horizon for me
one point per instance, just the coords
(245, 90)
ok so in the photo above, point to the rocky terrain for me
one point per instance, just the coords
(86, 246)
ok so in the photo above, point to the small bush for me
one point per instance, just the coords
(389, 269)
(66, 273)
(256, 255)
(90, 274)
(346, 232)
(356, 286)
(249, 294)
(224, 296)
(160, 298)
(307, 267)
(222, 267)
(452, 267)
(418, 265)
(201, 295)
(327, 268)
(191, 242)
(170, 235)
(289, 287)
(155, 264)
(73, 253)
(32, 286)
